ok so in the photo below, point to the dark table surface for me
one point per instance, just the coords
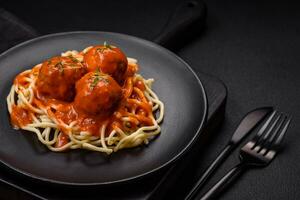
(253, 46)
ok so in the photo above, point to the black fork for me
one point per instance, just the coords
(258, 152)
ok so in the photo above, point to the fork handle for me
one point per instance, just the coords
(219, 187)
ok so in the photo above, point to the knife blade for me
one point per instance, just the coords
(247, 124)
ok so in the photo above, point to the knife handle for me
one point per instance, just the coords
(224, 182)
(188, 17)
(208, 172)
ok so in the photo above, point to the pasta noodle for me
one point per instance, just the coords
(135, 125)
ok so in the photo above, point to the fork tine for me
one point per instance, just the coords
(264, 127)
(267, 134)
(266, 143)
(272, 137)
(282, 133)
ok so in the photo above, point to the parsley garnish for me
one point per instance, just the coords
(97, 78)
(73, 58)
(128, 124)
(97, 72)
(60, 67)
(105, 47)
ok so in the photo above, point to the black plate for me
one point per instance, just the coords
(175, 83)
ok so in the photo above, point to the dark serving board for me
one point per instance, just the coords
(151, 187)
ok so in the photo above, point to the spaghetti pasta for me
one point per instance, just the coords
(63, 124)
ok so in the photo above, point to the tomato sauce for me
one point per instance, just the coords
(63, 139)
(20, 117)
(100, 90)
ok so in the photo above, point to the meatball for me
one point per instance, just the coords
(97, 93)
(108, 59)
(57, 78)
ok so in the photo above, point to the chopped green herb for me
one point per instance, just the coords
(60, 67)
(106, 45)
(128, 124)
(73, 59)
(100, 49)
(95, 81)
(97, 72)
(97, 78)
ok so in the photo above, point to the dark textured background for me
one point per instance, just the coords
(253, 46)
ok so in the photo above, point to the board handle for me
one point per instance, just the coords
(187, 19)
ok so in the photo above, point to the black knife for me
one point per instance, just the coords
(249, 121)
